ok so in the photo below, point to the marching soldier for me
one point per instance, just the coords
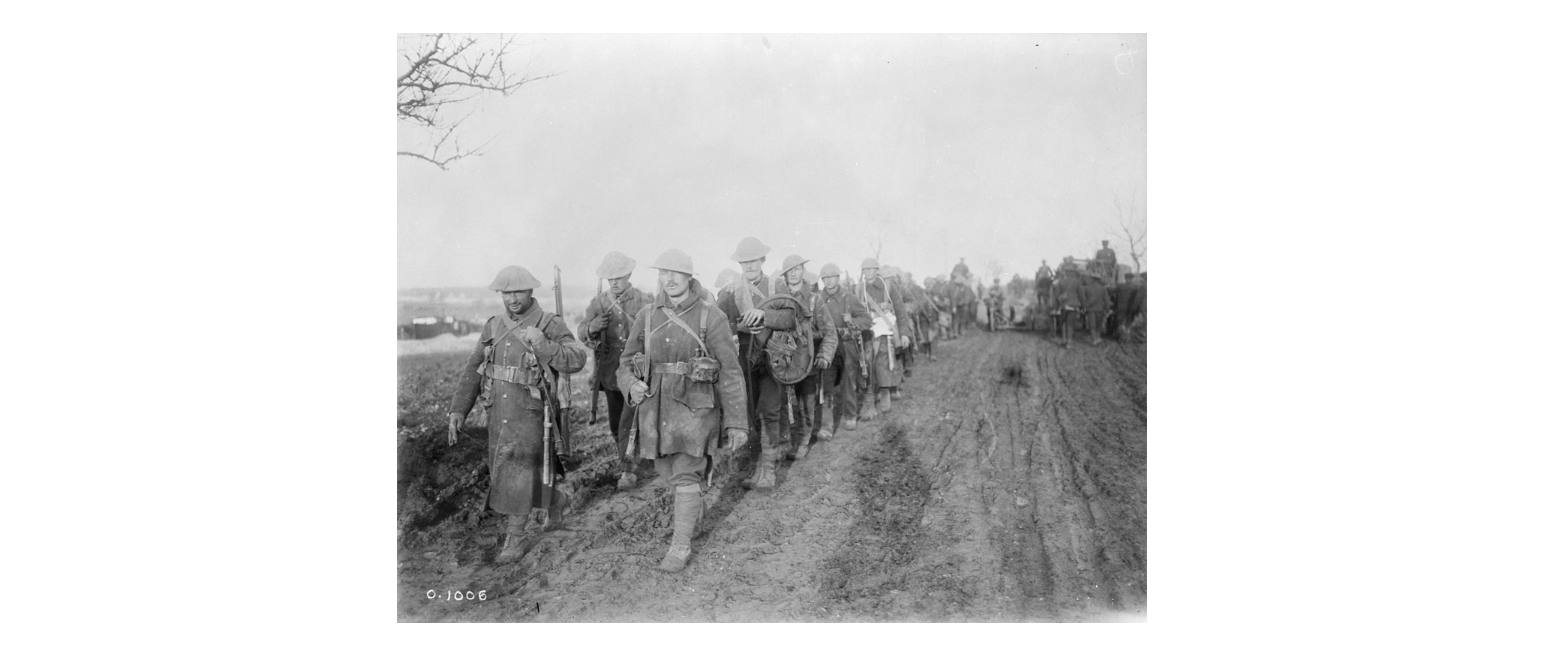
(891, 331)
(606, 323)
(680, 348)
(994, 304)
(849, 318)
(925, 315)
(1096, 304)
(1139, 310)
(806, 393)
(745, 304)
(1124, 301)
(726, 277)
(1067, 297)
(514, 368)
(891, 275)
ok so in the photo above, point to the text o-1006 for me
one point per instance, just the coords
(458, 595)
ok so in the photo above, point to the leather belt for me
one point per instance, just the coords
(678, 368)
(513, 374)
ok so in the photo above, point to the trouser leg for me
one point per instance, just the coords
(683, 473)
(771, 404)
(846, 382)
(621, 416)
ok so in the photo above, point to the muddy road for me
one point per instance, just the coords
(1008, 484)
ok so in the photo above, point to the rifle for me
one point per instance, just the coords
(594, 378)
(564, 385)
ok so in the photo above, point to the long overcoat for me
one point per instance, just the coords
(516, 417)
(877, 296)
(608, 343)
(681, 415)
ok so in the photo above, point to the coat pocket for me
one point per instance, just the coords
(699, 395)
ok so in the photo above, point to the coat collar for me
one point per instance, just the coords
(693, 296)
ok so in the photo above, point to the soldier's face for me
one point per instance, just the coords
(870, 274)
(620, 284)
(752, 269)
(674, 283)
(517, 301)
(794, 275)
(830, 282)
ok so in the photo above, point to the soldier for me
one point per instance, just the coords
(1042, 281)
(726, 277)
(793, 282)
(891, 331)
(680, 347)
(1044, 270)
(925, 316)
(849, 318)
(963, 300)
(960, 272)
(906, 355)
(1096, 305)
(745, 303)
(1107, 261)
(1067, 298)
(604, 329)
(514, 368)
(938, 291)
(1139, 310)
(994, 303)
(1124, 301)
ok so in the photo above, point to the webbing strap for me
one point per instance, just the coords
(674, 318)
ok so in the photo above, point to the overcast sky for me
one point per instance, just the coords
(1010, 148)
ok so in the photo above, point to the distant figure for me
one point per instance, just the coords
(1044, 272)
(1067, 298)
(961, 272)
(1106, 261)
(1124, 304)
(1096, 305)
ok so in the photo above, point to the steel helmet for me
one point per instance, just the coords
(514, 278)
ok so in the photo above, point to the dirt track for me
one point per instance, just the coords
(1008, 485)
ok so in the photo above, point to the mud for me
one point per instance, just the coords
(1009, 484)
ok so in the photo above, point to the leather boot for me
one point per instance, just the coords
(849, 423)
(514, 541)
(884, 400)
(766, 474)
(895, 393)
(688, 510)
(770, 453)
(870, 408)
(629, 480)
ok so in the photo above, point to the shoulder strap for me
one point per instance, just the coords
(648, 328)
(675, 318)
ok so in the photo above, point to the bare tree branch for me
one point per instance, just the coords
(443, 71)
(1131, 224)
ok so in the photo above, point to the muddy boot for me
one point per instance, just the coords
(849, 423)
(884, 400)
(895, 393)
(802, 452)
(628, 480)
(514, 541)
(870, 408)
(766, 473)
(688, 510)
